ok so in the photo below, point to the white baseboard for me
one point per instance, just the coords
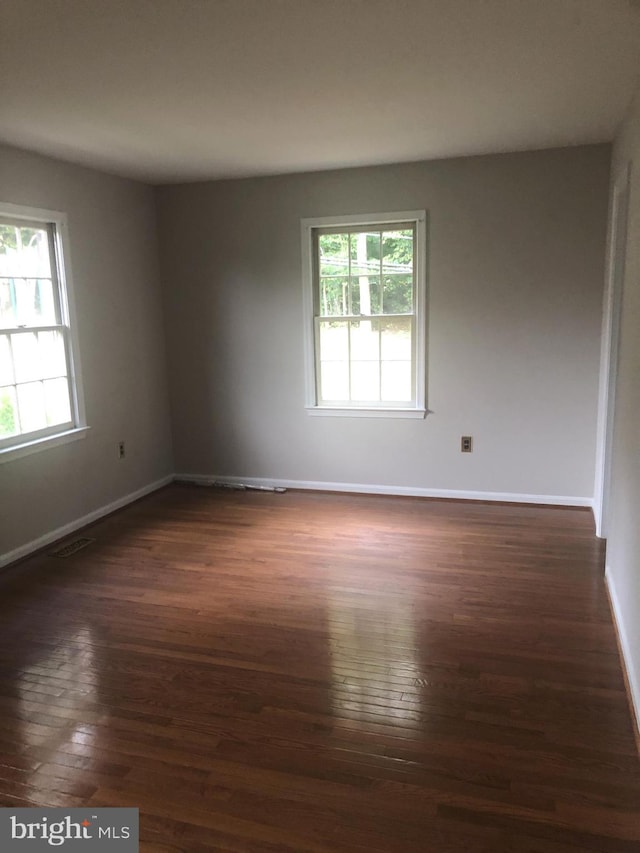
(411, 491)
(65, 530)
(632, 668)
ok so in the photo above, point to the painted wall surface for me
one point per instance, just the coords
(623, 542)
(515, 280)
(113, 247)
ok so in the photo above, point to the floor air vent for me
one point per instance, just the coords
(71, 547)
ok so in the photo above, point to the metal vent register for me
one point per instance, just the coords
(71, 547)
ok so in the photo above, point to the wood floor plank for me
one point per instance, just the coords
(321, 673)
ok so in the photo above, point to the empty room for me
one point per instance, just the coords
(319, 405)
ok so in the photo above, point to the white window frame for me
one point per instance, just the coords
(309, 228)
(13, 447)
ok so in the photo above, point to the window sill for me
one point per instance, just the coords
(357, 412)
(8, 454)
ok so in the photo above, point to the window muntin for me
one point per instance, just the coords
(38, 396)
(367, 301)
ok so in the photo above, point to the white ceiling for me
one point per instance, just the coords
(174, 90)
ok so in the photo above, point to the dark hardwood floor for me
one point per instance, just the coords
(314, 672)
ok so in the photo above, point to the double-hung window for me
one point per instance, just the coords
(365, 314)
(40, 395)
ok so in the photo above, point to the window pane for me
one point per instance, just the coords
(56, 393)
(334, 341)
(26, 356)
(334, 381)
(396, 382)
(6, 361)
(365, 381)
(41, 302)
(375, 295)
(8, 306)
(32, 406)
(334, 254)
(365, 253)
(52, 355)
(397, 252)
(9, 423)
(334, 361)
(395, 343)
(365, 341)
(27, 302)
(24, 251)
(397, 294)
(365, 294)
(334, 296)
(355, 297)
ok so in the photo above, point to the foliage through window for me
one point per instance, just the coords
(367, 302)
(37, 390)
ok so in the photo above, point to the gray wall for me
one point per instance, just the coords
(515, 294)
(623, 543)
(114, 260)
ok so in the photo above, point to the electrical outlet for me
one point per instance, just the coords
(121, 450)
(466, 444)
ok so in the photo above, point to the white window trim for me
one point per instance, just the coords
(34, 443)
(308, 226)
(17, 451)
